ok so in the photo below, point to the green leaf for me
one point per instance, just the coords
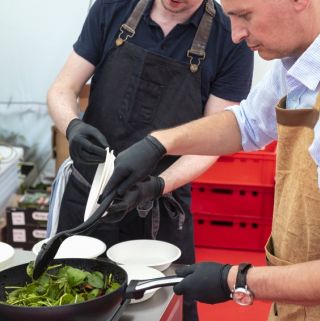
(95, 279)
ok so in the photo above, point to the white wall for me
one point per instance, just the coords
(36, 37)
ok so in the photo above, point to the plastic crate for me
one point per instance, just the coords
(253, 168)
(231, 232)
(234, 200)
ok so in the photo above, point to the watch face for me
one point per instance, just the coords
(242, 296)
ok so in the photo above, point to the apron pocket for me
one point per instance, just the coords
(145, 102)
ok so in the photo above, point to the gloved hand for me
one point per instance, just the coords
(86, 143)
(134, 164)
(204, 282)
(150, 189)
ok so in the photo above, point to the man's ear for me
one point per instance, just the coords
(300, 5)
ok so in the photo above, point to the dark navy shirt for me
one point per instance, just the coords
(226, 72)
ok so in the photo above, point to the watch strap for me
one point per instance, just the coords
(241, 280)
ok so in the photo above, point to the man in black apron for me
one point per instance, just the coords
(156, 64)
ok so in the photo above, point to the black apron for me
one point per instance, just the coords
(134, 92)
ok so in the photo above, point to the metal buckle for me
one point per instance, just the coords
(127, 32)
(200, 56)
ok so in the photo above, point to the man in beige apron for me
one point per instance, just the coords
(290, 30)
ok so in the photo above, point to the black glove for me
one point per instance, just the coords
(204, 282)
(134, 164)
(86, 143)
(150, 189)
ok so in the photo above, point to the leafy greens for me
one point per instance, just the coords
(61, 285)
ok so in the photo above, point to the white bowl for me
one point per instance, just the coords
(76, 246)
(6, 255)
(141, 272)
(152, 253)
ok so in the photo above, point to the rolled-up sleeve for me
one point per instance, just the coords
(256, 115)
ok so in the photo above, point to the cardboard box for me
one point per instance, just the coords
(60, 147)
(21, 217)
(25, 237)
(3, 231)
(84, 97)
(25, 226)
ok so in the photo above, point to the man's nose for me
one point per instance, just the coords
(239, 32)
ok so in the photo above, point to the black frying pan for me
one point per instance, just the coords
(105, 308)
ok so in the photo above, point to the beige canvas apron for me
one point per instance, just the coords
(295, 233)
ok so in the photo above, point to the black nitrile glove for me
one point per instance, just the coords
(86, 143)
(150, 189)
(134, 164)
(204, 282)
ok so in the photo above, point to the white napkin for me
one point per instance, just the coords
(101, 178)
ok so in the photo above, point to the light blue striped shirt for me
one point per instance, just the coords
(299, 79)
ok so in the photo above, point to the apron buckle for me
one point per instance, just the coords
(127, 32)
(195, 55)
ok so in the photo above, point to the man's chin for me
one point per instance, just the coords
(267, 55)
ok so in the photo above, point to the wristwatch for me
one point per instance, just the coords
(240, 293)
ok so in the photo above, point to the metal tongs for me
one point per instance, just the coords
(50, 249)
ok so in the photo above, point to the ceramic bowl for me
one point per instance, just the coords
(153, 253)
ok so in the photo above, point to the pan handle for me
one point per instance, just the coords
(136, 288)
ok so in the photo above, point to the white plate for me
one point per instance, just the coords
(153, 253)
(76, 246)
(140, 272)
(6, 254)
(100, 180)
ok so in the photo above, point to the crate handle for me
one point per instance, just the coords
(222, 223)
(222, 191)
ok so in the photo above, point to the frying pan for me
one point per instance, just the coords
(108, 307)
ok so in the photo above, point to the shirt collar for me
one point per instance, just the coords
(194, 19)
(306, 68)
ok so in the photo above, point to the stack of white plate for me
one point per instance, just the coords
(6, 255)
(9, 173)
(144, 259)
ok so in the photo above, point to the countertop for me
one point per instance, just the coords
(163, 305)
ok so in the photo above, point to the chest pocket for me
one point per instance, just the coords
(143, 98)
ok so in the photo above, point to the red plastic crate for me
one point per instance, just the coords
(244, 168)
(222, 199)
(232, 232)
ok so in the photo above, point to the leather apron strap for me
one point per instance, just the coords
(128, 29)
(199, 44)
(196, 53)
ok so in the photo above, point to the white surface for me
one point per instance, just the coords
(9, 172)
(152, 253)
(77, 246)
(6, 255)
(36, 38)
(101, 178)
(141, 272)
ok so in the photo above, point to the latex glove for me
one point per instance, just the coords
(134, 164)
(150, 189)
(86, 143)
(204, 282)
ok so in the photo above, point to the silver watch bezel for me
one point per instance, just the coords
(242, 296)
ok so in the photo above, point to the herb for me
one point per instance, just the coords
(60, 285)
